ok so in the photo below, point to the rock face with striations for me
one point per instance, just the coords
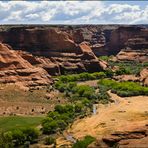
(15, 69)
(56, 50)
(128, 37)
(130, 43)
(137, 138)
(9, 59)
(32, 38)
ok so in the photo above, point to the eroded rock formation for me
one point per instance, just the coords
(131, 37)
(15, 69)
(69, 49)
(136, 138)
(61, 53)
(131, 55)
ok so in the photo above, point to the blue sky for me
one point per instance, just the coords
(73, 12)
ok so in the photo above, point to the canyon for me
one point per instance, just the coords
(43, 66)
(56, 50)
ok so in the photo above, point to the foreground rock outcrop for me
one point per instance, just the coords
(136, 138)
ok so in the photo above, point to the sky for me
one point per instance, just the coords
(73, 12)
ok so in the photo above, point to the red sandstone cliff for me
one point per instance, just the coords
(14, 69)
(133, 37)
(58, 47)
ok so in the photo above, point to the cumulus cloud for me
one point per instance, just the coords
(118, 8)
(71, 12)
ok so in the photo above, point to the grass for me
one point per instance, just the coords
(14, 122)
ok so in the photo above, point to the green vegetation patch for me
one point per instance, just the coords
(84, 143)
(105, 58)
(18, 137)
(128, 67)
(82, 77)
(50, 140)
(61, 117)
(14, 122)
(123, 89)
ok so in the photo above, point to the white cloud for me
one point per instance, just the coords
(71, 12)
(32, 16)
(118, 8)
(14, 16)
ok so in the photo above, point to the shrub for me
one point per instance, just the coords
(122, 71)
(124, 89)
(86, 76)
(103, 96)
(79, 107)
(105, 58)
(18, 137)
(132, 67)
(85, 91)
(47, 119)
(109, 73)
(50, 127)
(98, 75)
(58, 119)
(86, 102)
(84, 143)
(63, 87)
(53, 114)
(78, 77)
(60, 86)
(67, 117)
(61, 124)
(50, 140)
(64, 108)
(31, 134)
(6, 140)
(60, 109)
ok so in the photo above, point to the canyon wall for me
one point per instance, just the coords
(69, 49)
(49, 49)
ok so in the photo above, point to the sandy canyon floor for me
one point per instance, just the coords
(124, 114)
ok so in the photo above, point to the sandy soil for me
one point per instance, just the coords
(14, 101)
(92, 83)
(124, 114)
(24, 108)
